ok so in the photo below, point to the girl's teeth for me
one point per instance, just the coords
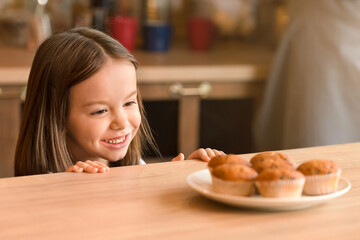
(116, 141)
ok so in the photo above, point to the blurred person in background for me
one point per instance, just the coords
(312, 96)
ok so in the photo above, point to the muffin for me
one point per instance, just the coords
(235, 179)
(280, 183)
(322, 176)
(271, 160)
(229, 158)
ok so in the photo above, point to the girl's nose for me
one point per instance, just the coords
(119, 121)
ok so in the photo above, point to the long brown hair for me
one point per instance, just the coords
(63, 60)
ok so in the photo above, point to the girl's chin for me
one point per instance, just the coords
(110, 160)
(115, 158)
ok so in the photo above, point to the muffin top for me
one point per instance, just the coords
(234, 172)
(279, 174)
(229, 158)
(271, 160)
(260, 157)
(272, 164)
(318, 167)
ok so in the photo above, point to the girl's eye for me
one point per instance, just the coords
(102, 111)
(130, 103)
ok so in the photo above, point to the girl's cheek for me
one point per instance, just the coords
(136, 116)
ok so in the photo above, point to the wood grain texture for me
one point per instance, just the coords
(154, 202)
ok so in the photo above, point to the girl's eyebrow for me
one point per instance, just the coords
(133, 93)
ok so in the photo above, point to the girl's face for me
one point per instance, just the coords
(104, 113)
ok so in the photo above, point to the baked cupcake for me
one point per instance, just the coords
(229, 159)
(322, 176)
(271, 160)
(280, 183)
(235, 179)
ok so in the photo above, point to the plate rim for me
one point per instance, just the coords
(259, 202)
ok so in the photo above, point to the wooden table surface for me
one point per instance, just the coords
(154, 202)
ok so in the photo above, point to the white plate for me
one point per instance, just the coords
(201, 182)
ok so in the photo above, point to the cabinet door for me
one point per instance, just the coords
(10, 114)
(226, 124)
(162, 116)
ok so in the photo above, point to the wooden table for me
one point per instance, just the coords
(154, 202)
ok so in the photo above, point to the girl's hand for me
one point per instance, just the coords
(89, 167)
(201, 154)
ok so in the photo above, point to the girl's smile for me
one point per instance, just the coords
(117, 143)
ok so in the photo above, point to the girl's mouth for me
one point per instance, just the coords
(116, 140)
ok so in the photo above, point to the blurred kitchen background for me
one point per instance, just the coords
(193, 97)
(23, 22)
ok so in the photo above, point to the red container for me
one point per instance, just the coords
(201, 33)
(124, 29)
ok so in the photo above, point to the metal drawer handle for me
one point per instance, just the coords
(177, 90)
(23, 94)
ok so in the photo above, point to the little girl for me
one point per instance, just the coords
(82, 107)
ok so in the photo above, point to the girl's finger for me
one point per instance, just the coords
(218, 153)
(87, 166)
(210, 152)
(103, 166)
(100, 166)
(74, 168)
(203, 155)
(179, 157)
(197, 154)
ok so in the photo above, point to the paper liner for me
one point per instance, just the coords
(240, 188)
(321, 184)
(281, 188)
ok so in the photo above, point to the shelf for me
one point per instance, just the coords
(224, 62)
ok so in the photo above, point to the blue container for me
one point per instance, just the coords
(157, 36)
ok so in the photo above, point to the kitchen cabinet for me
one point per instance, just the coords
(14, 70)
(10, 111)
(189, 107)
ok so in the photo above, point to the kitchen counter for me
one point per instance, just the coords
(230, 62)
(154, 202)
